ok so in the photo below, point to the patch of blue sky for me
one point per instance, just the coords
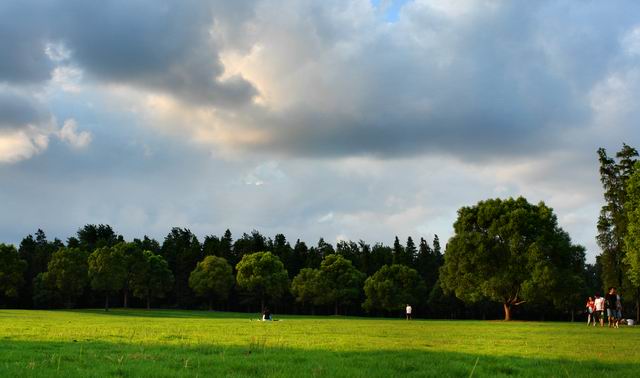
(389, 9)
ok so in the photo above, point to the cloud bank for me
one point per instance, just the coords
(375, 117)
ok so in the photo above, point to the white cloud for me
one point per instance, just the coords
(70, 135)
(16, 145)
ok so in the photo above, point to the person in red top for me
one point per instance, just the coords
(591, 307)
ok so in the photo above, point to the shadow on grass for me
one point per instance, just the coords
(201, 314)
(84, 358)
(177, 314)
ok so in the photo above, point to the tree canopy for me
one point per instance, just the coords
(11, 270)
(512, 252)
(262, 274)
(212, 278)
(393, 287)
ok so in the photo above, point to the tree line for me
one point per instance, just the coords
(503, 251)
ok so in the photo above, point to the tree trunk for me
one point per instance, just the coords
(507, 311)
(572, 316)
(262, 304)
(125, 300)
(335, 307)
(106, 302)
(148, 302)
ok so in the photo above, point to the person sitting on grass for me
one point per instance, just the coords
(266, 314)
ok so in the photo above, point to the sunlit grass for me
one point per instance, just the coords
(190, 343)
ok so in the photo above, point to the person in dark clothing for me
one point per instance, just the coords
(266, 314)
(610, 304)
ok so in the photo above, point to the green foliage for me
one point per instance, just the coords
(340, 282)
(11, 270)
(152, 279)
(306, 286)
(212, 278)
(632, 240)
(262, 274)
(613, 219)
(393, 287)
(107, 270)
(182, 251)
(68, 272)
(510, 251)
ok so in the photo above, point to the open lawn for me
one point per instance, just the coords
(191, 343)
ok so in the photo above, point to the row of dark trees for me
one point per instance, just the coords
(507, 251)
(99, 263)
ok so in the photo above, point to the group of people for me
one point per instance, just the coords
(611, 303)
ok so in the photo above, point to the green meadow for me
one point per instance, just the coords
(203, 344)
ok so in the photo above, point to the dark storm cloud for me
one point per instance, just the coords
(158, 45)
(503, 80)
(18, 110)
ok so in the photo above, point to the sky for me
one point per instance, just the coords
(342, 119)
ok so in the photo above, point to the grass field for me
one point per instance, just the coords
(188, 343)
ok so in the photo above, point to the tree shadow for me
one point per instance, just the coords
(260, 357)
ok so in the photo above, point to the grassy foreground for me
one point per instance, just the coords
(188, 343)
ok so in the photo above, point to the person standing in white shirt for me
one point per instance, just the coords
(408, 311)
(599, 304)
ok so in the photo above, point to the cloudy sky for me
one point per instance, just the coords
(345, 119)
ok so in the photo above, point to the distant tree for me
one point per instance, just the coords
(324, 248)
(133, 261)
(632, 239)
(262, 274)
(211, 246)
(410, 252)
(107, 271)
(428, 264)
(67, 273)
(147, 244)
(91, 237)
(226, 248)
(393, 287)
(212, 279)
(45, 295)
(11, 270)
(283, 250)
(298, 258)
(340, 281)
(306, 287)
(381, 255)
(37, 253)
(182, 252)
(613, 219)
(398, 252)
(512, 252)
(153, 278)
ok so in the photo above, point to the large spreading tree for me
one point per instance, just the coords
(512, 252)
(152, 279)
(67, 273)
(393, 287)
(212, 279)
(340, 282)
(262, 274)
(107, 271)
